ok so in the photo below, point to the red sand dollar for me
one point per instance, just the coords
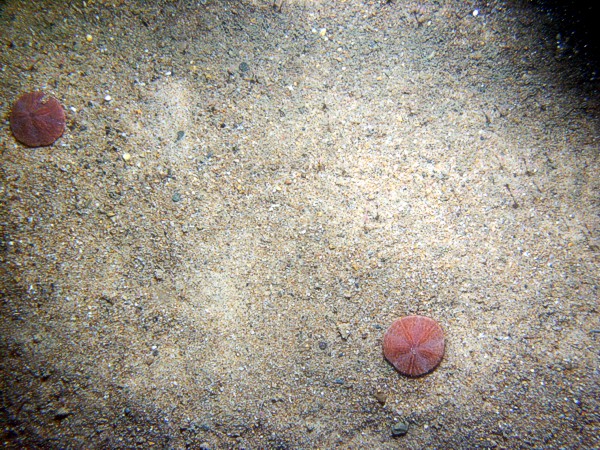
(414, 345)
(37, 120)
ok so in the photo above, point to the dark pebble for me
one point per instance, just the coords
(399, 429)
(322, 345)
(62, 413)
(43, 374)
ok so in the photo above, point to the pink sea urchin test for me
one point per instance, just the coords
(37, 120)
(414, 345)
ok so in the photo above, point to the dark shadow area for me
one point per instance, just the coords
(577, 32)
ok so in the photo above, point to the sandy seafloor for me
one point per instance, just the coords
(210, 258)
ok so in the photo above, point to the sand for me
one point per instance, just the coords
(248, 194)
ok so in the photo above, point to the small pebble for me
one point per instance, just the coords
(62, 413)
(107, 98)
(126, 157)
(399, 429)
(343, 330)
(380, 397)
(89, 38)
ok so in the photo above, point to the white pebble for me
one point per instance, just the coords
(107, 98)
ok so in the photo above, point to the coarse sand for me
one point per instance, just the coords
(248, 193)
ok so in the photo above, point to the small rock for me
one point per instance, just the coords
(343, 330)
(43, 373)
(380, 397)
(62, 413)
(399, 429)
